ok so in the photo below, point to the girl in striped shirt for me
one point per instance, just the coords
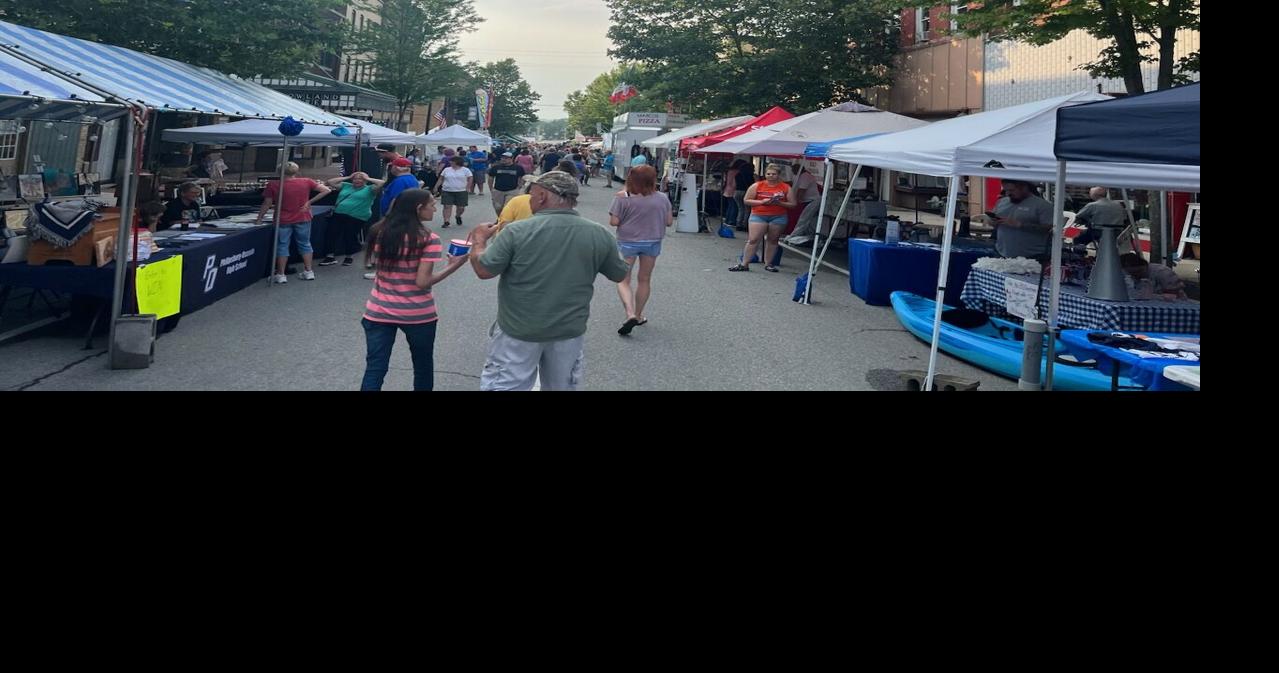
(406, 253)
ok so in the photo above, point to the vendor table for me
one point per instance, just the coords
(1145, 372)
(212, 269)
(877, 269)
(984, 292)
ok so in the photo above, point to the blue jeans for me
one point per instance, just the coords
(730, 211)
(380, 337)
(303, 231)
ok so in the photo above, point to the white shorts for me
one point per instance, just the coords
(516, 365)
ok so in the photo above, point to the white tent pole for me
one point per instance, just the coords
(838, 216)
(1136, 238)
(948, 235)
(1054, 296)
(821, 218)
(124, 233)
(278, 206)
(706, 173)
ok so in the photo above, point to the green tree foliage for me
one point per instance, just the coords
(414, 48)
(281, 38)
(514, 109)
(590, 106)
(552, 129)
(1130, 26)
(719, 57)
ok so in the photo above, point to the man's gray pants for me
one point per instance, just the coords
(516, 365)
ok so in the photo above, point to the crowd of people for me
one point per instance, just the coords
(545, 255)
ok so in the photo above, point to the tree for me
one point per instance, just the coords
(590, 106)
(513, 98)
(1131, 27)
(553, 129)
(413, 49)
(281, 38)
(717, 57)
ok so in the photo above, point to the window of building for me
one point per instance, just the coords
(8, 140)
(956, 10)
(921, 24)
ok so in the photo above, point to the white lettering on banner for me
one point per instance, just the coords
(210, 273)
(1020, 298)
(228, 265)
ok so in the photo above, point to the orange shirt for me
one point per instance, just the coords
(765, 191)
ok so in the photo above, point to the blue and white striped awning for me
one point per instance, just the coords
(27, 91)
(158, 83)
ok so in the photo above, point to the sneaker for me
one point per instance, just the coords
(328, 261)
(280, 279)
(348, 261)
(370, 275)
(459, 220)
(307, 274)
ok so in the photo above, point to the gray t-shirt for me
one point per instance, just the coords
(1102, 213)
(547, 265)
(1012, 242)
(643, 218)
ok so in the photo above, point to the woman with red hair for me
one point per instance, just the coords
(641, 215)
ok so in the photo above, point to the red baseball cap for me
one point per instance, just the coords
(402, 162)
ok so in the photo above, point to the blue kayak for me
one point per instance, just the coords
(994, 346)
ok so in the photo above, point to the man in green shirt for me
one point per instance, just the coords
(547, 265)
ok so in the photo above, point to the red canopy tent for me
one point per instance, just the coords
(773, 116)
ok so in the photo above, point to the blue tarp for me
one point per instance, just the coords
(819, 150)
(1161, 127)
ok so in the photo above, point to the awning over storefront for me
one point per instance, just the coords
(158, 83)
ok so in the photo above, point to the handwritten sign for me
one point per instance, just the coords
(159, 287)
(1020, 297)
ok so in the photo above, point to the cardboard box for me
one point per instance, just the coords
(82, 252)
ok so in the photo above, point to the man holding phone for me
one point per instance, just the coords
(1023, 222)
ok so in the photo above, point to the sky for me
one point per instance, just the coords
(559, 45)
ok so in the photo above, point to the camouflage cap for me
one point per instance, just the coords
(558, 182)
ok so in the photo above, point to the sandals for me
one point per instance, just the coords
(770, 267)
(739, 267)
(629, 325)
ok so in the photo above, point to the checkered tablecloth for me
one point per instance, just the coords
(984, 291)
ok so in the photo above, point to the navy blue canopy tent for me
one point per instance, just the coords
(1161, 127)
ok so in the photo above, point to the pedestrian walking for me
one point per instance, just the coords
(401, 301)
(641, 215)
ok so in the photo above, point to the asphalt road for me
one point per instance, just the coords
(708, 330)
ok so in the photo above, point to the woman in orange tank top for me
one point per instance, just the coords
(769, 200)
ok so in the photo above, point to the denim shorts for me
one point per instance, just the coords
(770, 220)
(287, 231)
(630, 249)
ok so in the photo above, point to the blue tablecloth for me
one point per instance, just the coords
(876, 269)
(984, 291)
(1145, 372)
(211, 270)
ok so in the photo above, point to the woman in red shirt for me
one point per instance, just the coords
(769, 200)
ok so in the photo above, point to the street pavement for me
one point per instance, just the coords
(708, 329)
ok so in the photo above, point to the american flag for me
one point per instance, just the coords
(439, 116)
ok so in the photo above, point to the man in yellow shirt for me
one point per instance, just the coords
(517, 208)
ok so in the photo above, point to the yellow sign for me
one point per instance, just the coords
(159, 287)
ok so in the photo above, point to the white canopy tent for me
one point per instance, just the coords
(932, 150)
(455, 135)
(266, 132)
(789, 138)
(671, 140)
(739, 144)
